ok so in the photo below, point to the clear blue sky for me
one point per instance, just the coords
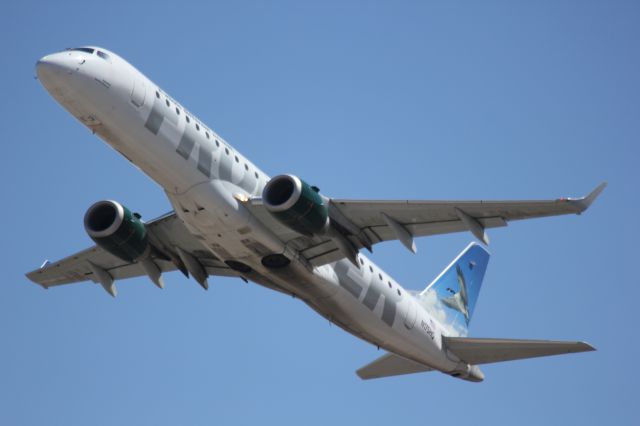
(426, 100)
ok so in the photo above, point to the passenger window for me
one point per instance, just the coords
(197, 127)
(399, 294)
(390, 286)
(157, 94)
(207, 134)
(246, 167)
(217, 143)
(188, 119)
(258, 177)
(167, 102)
(226, 150)
(380, 276)
(371, 269)
(237, 160)
(177, 111)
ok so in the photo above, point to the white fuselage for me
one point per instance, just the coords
(204, 178)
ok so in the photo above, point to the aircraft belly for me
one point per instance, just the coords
(230, 232)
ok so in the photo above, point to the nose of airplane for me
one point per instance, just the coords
(51, 69)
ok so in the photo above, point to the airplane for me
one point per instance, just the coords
(231, 219)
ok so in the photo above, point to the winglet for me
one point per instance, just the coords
(585, 202)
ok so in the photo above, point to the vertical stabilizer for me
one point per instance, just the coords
(452, 296)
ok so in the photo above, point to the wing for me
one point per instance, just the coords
(390, 365)
(366, 223)
(167, 234)
(486, 351)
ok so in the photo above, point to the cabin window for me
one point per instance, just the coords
(177, 111)
(399, 294)
(197, 127)
(258, 177)
(167, 102)
(157, 94)
(207, 134)
(389, 282)
(380, 276)
(371, 269)
(217, 143)
(188, 119)
(226, 150)
(237, 159)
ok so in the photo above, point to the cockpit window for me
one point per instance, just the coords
(84, 49)
(102, 55)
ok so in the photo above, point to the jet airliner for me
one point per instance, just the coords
(231, 219)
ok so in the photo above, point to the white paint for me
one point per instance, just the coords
(115, 100)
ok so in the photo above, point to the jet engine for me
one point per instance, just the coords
(114, 228)
(296, 204)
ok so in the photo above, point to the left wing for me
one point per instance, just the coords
(167, 233)
(366, 223)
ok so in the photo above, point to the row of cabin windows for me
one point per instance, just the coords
(226, 150)
(380, 276)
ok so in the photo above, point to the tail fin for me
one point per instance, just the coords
(451, 297)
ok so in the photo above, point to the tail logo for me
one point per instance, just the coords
(460, 300)
(452, 296)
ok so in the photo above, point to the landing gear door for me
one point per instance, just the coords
(138, 93)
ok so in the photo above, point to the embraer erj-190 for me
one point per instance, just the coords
(230, 219)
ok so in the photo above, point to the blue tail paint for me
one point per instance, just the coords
(451, 297)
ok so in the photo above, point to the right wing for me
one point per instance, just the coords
(364, 223)
(423, 218)
(166, 233)
(485, 351)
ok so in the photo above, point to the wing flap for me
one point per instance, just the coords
(485, 351)
(390, 365)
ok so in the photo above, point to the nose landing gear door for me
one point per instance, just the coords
(138, 93)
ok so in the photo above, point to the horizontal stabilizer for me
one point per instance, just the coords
(485, 351)
(390, 365)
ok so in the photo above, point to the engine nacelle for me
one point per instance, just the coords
(114, 228)
(296, 204)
